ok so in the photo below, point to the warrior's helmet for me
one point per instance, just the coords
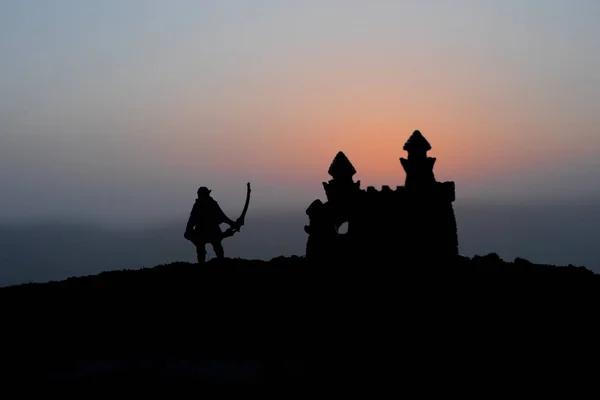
(203, 191)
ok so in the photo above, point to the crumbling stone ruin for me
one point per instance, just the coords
(414, 221)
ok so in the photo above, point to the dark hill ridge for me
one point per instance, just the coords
(382, 321)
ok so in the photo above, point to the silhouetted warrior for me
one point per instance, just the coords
(203, 226)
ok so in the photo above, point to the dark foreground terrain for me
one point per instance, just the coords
(466, 321)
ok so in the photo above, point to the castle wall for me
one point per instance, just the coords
(397, 223)
(405, 224)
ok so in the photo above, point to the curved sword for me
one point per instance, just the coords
(242, 218)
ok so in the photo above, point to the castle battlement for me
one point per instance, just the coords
(414, 219)
(444, 191)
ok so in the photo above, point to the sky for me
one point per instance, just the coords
(117, 110)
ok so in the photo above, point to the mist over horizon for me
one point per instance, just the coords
(52, 250)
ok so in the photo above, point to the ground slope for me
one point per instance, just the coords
(288, 320)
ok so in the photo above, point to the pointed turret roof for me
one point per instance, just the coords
(417, 142)
(341, 167)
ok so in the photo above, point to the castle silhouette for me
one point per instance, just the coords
(415, 221)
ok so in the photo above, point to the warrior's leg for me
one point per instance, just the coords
(201, 253)
(218, 248)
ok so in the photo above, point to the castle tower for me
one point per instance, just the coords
(341, 168)
(418, 166)
(341, 191)
(342, 186)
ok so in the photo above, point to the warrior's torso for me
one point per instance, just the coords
(206, 214)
